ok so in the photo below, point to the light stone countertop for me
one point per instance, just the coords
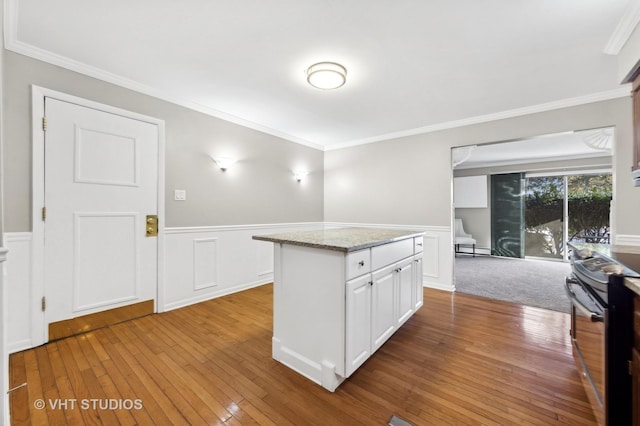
(341, 239)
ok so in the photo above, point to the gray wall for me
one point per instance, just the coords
(409, 180)
(259, 189)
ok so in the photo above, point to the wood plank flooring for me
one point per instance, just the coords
(460, 360)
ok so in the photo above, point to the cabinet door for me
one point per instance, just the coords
(383, 317)
(404, 285)
(418, 289)
(358, 326)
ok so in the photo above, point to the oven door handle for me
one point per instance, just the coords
(593, 316)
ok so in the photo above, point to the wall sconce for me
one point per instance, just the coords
(299, 175)
(224, 162)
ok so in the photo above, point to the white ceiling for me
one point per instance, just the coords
(413, 65)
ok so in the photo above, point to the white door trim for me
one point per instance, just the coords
(38, 94)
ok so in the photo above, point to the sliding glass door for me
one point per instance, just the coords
(565, 208)
(544, 216)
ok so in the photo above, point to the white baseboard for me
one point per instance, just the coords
(439, 286)
(227, 291)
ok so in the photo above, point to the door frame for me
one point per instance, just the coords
(39, 331)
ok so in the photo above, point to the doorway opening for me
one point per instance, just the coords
(541, 193)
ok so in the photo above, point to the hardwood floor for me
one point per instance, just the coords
(460, 360)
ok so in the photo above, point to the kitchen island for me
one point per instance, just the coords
(339, 294)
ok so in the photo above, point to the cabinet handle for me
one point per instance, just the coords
(370, 282)
(399, 270)
(419, 244)
(361, 263)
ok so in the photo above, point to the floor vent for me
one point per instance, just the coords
(397, 421)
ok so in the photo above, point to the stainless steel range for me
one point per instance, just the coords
(602, 333)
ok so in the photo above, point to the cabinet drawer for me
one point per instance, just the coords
(358, 263)
(390, 253)
(418, 244)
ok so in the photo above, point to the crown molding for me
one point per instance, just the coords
(632, 17)
(620, 92)
(82, 68)
(627, 24)
(13, 44)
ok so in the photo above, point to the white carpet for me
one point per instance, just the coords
(537, 283)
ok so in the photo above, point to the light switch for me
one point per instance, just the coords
(179, 194)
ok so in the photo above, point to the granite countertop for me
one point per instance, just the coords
(341, 239)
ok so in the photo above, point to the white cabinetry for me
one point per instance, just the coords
(404, 290)
(333, 310)
(358, 348)
(383, 312)
(418, 288)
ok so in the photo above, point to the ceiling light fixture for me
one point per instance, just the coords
(326, 75)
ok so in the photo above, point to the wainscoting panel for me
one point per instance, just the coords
(201, 263)
(211, 261)
(21, 300)
(431, 262)
(205, 263)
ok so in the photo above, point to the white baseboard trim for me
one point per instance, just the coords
(225, 292)
(18, 346)
(298, 363)
(440, 286)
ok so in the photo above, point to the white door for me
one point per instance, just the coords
(101, 182)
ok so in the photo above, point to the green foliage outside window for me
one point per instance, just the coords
(589, 198)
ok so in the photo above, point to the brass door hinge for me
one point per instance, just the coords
(43, 304)
(44, 214)
(44, 124)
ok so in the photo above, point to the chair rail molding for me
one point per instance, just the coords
(627, 240)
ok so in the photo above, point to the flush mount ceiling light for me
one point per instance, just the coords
(326, 75)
